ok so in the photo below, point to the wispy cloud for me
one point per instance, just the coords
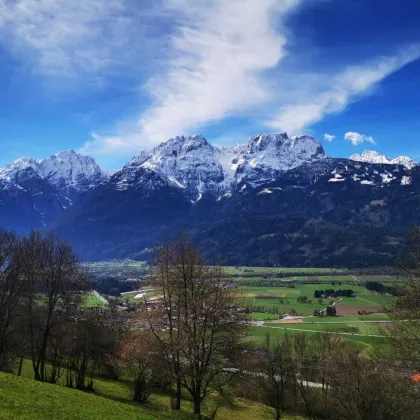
(210, 60)
(344, 88)
(219, 69)
(220, 51)
(357, 138)
(81, 39)
(329, 137)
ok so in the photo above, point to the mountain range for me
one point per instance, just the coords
(371, 156)
(272, 200)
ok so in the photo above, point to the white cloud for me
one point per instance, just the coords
(338, 91)
(83, 39)
(210, 60)
(329, 137)
(219, 72)
(357, 138)
(219, 52)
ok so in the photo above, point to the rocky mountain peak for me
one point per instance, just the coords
(69, 168)
(63, 170)
(371, 156)
(194, 165)
(262, 142)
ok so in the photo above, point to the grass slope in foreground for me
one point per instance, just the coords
(27, 399)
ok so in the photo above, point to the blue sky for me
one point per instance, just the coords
(111, 77)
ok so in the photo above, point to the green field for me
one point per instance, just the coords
(258, 334)
(274, 270)
(348, 327)
(379, 278)
(260, 316)
(370, 299)
(371, 318)
(284, 299)
(93, 301)
(321, 279)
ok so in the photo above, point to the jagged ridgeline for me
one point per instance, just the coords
(273, 200)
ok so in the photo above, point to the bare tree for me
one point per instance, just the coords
(203, 330)
(363, 389)
(11, 293)
(139, 357)
(403, 335)
(167, 316)
(54, 283)
(274, 373)
(323, 346)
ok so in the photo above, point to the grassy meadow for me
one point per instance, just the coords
(27, 399)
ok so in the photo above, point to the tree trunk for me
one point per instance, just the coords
(20, 366)
(178, 394)
(197, 405)
(278, 407)
(40, 371)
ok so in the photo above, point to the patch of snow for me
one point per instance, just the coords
(387, 178)
(265, 191)
(406, 180)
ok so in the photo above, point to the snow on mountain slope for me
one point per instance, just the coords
(64, 170)
(70, 169)
(191, 163)
(371, 156)
(267, 155)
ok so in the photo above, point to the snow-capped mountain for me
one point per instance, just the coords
(188, 163)
(66, 170)
(34, 193)
(371, 156)
(266, 156)
(267, 201)
(193, 165)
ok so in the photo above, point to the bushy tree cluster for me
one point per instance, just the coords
(331, 293)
